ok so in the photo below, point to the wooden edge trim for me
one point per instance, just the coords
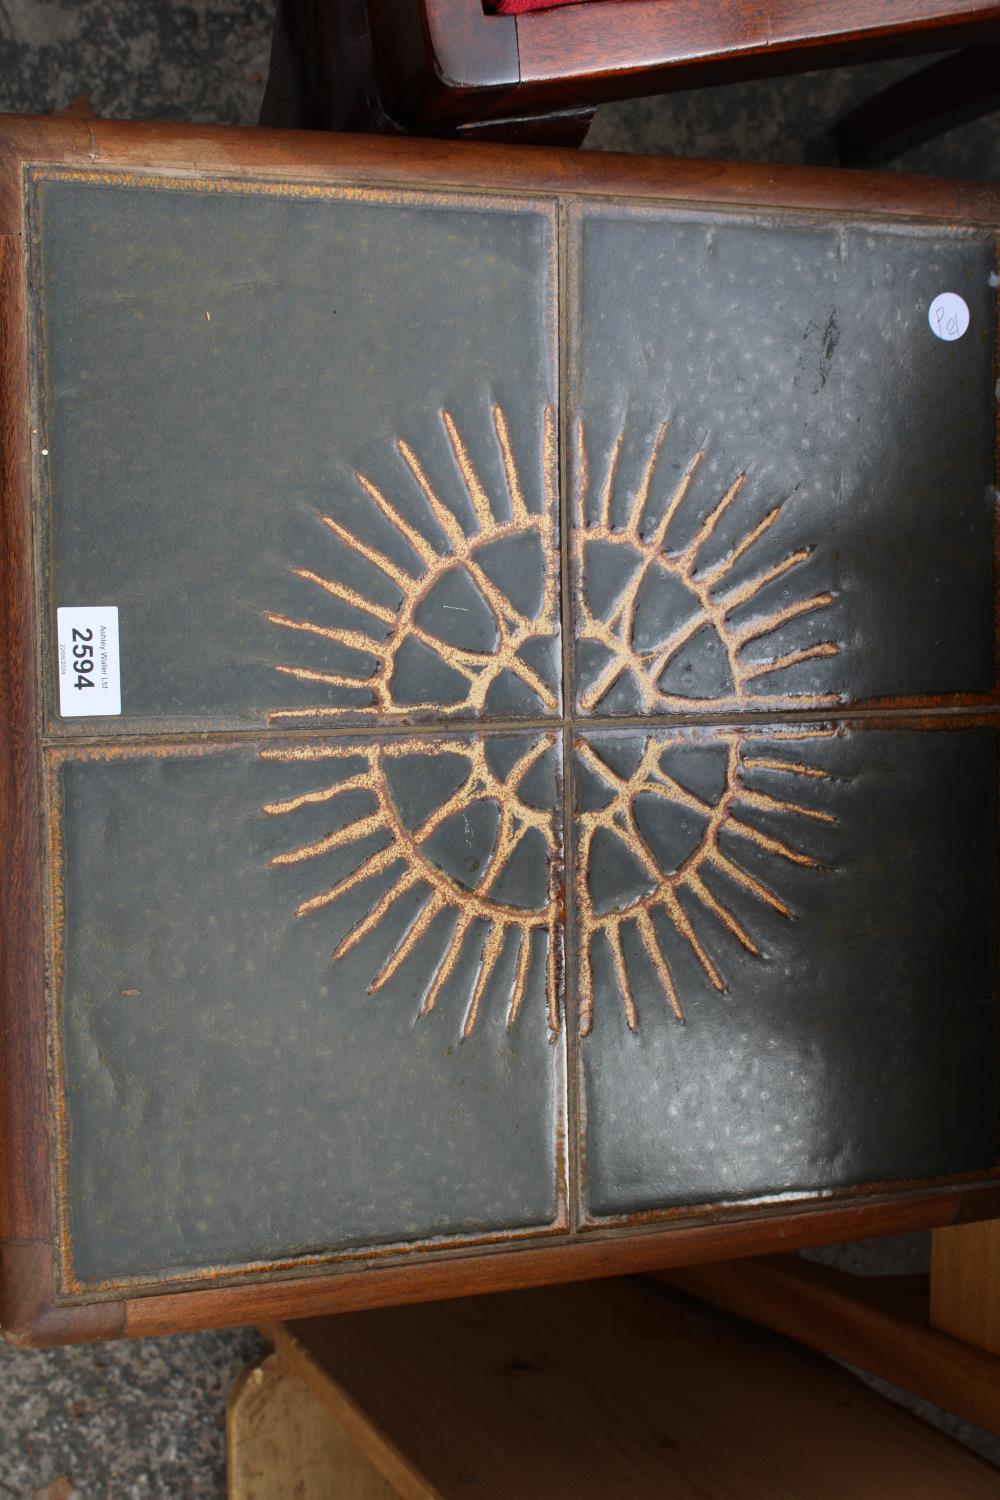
(313, 156)
(31, 1317)
(587, 1258)
(656, 38)
(25, 1192)
(856, 1319)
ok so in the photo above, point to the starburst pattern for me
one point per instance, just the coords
(664, 889)
(381, 631)
(695, 588)
(404, 857)
(712, 600)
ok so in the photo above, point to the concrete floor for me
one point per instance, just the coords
(141, 1420)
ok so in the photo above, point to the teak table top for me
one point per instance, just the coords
(501, 705)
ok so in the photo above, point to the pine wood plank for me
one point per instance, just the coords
(878, 1323)
(965, 1283)
(284, 1445)
(623, 1388)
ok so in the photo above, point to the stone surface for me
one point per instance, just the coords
(205, 61)
(129, 1421)
(787, 119)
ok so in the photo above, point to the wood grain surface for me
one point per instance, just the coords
(621, 1389)
(439, 65)
(648, 39)
(283, 1444)
(965, 1283)
(878, 1323)
(312, 156)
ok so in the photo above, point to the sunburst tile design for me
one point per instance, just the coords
(675, 838)
(707, 604)
(511, 900)
(440, 548)
(476, 925)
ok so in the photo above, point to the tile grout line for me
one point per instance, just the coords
(747, 719)
(573, 1108)
(252, 734)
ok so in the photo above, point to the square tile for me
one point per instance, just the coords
(305, 444)
(310, 996)
(782, 480)
(785, 959)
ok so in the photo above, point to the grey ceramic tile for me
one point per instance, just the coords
(304, 442)
(309, 998)
(311, 989)
(819, 908)
(783, 479)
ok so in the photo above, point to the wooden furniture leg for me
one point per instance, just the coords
(878, 1323)
(965, 1283)
(923, 105)
(284, 1445)
(324, 75)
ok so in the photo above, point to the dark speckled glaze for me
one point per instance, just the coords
(837, 977)
(795, 361)
(520, 818)
(223, 407)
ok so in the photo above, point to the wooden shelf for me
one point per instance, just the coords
(622, 1388)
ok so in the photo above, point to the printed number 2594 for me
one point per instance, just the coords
(83, 657)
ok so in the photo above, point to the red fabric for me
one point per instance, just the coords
(518, 7)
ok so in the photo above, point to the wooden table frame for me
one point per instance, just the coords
(425, 66)
(32, 1311)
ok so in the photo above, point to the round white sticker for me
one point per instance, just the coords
(948, 316)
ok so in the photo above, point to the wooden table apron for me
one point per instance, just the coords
(583, 368)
